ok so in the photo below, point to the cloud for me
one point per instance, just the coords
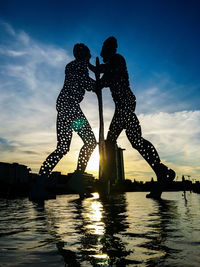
(175, 133)
(7, 28)
(31, 77)
(6, 145)
(30, 152)
(162, 93)
(30, 84)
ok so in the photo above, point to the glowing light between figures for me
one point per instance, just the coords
(93, 164)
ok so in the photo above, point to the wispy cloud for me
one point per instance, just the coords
(7, 28)
(31, 77)
(6, 145)
(162, 93)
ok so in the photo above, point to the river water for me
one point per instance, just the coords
(124, 230)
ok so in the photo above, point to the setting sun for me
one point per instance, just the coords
(93, 164)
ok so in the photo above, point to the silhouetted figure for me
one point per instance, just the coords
(115, 76)
(70, 116)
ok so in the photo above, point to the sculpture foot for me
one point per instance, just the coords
(154, 195)
(165, 175)
(156, 191)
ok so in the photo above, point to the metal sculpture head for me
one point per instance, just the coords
(109, 48)
(81, 52)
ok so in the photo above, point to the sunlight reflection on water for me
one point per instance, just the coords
(123, 230)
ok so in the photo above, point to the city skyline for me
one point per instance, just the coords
(160, 42)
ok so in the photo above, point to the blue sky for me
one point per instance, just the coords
(160, 41)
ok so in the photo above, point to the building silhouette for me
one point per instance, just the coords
(14, 179)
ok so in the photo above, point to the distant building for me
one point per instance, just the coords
(115, 165)
(14, 173)
(87, 177)
(119, 164)
(14, 180)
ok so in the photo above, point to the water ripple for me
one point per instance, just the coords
(122, 230)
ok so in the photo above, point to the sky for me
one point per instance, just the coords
(160, 41)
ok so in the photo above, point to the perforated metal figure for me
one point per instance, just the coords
(115, 76)
(70, 116)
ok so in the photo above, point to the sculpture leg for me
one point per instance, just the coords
(64, 135)
(83, 129)
(89, 140)
(115, 128)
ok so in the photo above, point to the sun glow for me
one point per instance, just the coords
(93, 164)
(93, 215)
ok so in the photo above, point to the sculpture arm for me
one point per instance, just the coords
(86, 81)
(102, 68)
